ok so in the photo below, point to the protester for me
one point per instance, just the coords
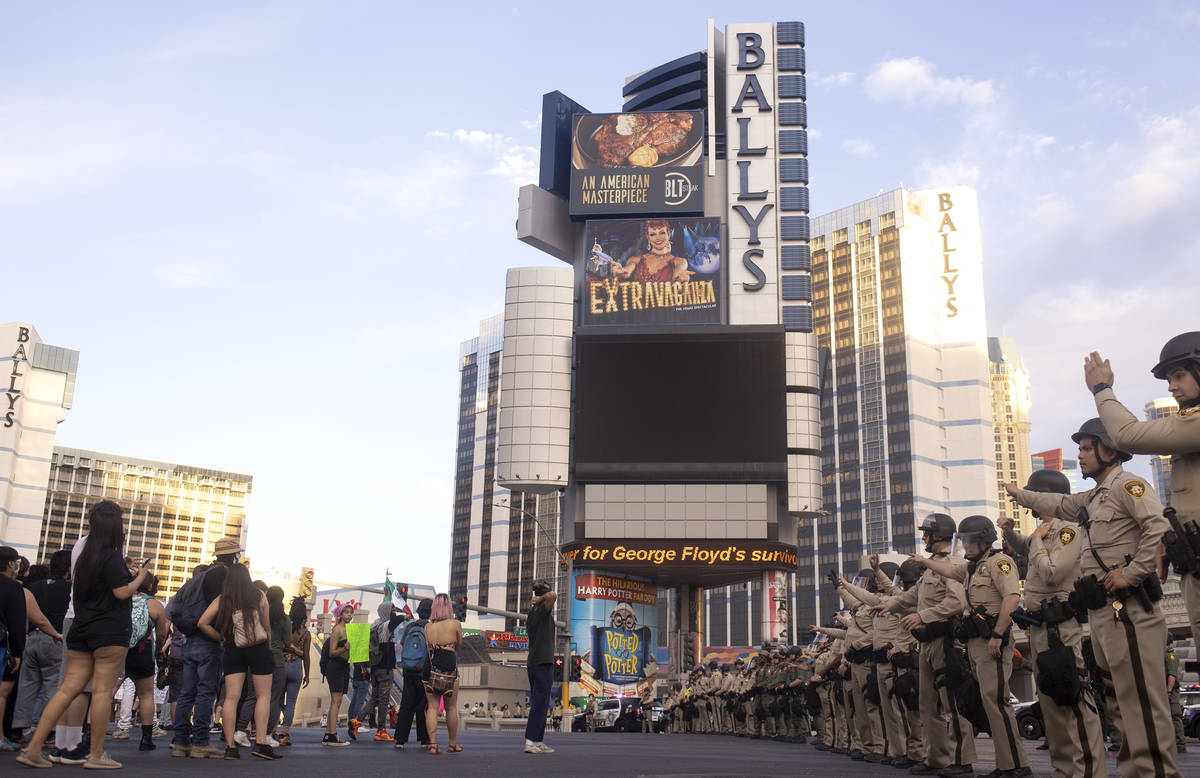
(13, 619)
(295, 660)
(147, 637)
(382, 652)
(99, 635)
(41, 662)
(336, 669)
(360, 694)
(281, 630)
(238, 620)
(443, 636)
(414, 654)
(540, 667)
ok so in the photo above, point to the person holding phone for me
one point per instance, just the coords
(99, 636)
(337, 673)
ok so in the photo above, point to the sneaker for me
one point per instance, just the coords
(352, 728)
(271, 741)
(120, 734)
(231, 752)
(532, 748)
(102, 762)
(179, 749)
(284, 740)
(206, 752)
(264, 751)
(159, 732)
(241, 738)
(383, 737)
(32, 759)
(543, 748)
(8, 745)
(331, 739)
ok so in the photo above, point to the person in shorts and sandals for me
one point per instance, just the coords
(238, 620)
(336, 670)
(443, 635)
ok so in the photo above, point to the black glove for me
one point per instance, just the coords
(833, 579)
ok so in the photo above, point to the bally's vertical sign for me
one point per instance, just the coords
(750, 141)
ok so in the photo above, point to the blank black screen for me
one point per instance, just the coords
(681, 399)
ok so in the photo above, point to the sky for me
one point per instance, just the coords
(268, 226)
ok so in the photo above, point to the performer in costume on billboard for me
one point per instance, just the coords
(658, 264)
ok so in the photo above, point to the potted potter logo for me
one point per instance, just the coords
(620, 650)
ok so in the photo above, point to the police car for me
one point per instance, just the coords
(613, 714)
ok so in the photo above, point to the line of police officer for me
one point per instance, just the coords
(926, 650)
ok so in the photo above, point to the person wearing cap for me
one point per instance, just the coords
(1121, 525)
(1073, 733)
(928, 609)
(1177, 436)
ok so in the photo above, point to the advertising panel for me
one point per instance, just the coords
(614, 634)
(637, 163)
(653, 271)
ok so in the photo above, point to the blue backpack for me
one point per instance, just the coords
(415, 652)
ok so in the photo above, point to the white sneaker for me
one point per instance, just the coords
(272, 742)
(538, 748)
(158, 732)
(120, 734)
(241, 738)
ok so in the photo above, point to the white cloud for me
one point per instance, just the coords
(913, 80)
(532, 124)
(813, 134)
(1165, 171)
(510, 159)
(859, 147)
(844, 78)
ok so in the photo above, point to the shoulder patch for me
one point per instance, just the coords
(1135, 488)
(1066, 535)
(1185, 412)
(1004, 566)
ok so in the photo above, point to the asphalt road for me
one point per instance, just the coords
(487, 753)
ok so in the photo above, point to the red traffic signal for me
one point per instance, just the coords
(558, 669)
(576, 667)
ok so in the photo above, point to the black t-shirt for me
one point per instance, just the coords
(12, 614)
(98, 614)
(53, 595)
(541, 636)
(214, 582)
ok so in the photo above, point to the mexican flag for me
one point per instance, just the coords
(390, 592)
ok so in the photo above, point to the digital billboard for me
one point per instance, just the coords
(637, 163)
(653, 271)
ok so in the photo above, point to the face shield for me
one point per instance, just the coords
(897, 581)
(863, 581)
(969, 545)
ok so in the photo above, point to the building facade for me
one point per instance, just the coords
(175, 513)
(1010, 425)
(1160, 466)
(39, 390)
(906, 410)
(1054, 459)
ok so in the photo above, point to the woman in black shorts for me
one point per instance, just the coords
(99, 635)
(237, 619)
(443, 635)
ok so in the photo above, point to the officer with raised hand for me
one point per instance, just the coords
(904, 683)
(930, 607)
(1121, 523)
(993, 592)
(868, 722)
(1177, 436)
(824, 667)
(1073, 732)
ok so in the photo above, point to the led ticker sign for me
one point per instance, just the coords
(506, 641)
(754, 555)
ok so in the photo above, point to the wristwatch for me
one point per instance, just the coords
(997, 637)
(1100, 387)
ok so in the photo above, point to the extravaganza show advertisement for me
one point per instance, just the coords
(613, 621)
(633, 163)
(653, 271)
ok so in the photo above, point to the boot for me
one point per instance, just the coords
(147, 743)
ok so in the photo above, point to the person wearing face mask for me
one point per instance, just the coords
(929, 607)
(1177, 436)
(993, 592)
(1121, 524)
(540, 666)
(1073, 732)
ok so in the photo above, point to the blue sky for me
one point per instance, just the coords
(267, 226)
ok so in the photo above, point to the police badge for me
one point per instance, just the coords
(1004, 566)
(1135, 489)
(1066, 535)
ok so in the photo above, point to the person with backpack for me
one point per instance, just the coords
(382, 652)
(413, 653)
(202, 657)
(149, 633)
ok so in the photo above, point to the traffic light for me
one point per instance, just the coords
(307, 589)
(558, 669)
(460, 608)
(576, 667)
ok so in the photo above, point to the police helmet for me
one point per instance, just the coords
(864, 579)
(1177, 349)
(939, 524)
(1094, 428)
(977, 529)
(889, 569)
(910, 572)
(1048, 481)
(712, 664)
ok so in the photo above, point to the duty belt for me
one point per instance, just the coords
(927, 633)
(880, 654)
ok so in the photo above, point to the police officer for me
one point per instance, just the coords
(903, 682)
(1178, 436)
(1073, 732)
(824, 666)
(1173, 697)
(647, 702)
(1122, 523)
(930, 606)
(589, 713)
(868, 722)
(993, 591)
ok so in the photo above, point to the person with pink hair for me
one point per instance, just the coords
(443, 635)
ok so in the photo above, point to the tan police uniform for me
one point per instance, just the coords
(1125, 519)
(844, 737)
(868, 722)
(1073, 733)
(949, 738)
(886, 633)
(823, 667)
(903, 643)
(1178, 436)
(647, 701)
(987, 581)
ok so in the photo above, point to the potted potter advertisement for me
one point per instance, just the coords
(624, 164)
(653, 271)
(614, 619)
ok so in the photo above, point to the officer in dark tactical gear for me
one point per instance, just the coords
(1122, 524)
